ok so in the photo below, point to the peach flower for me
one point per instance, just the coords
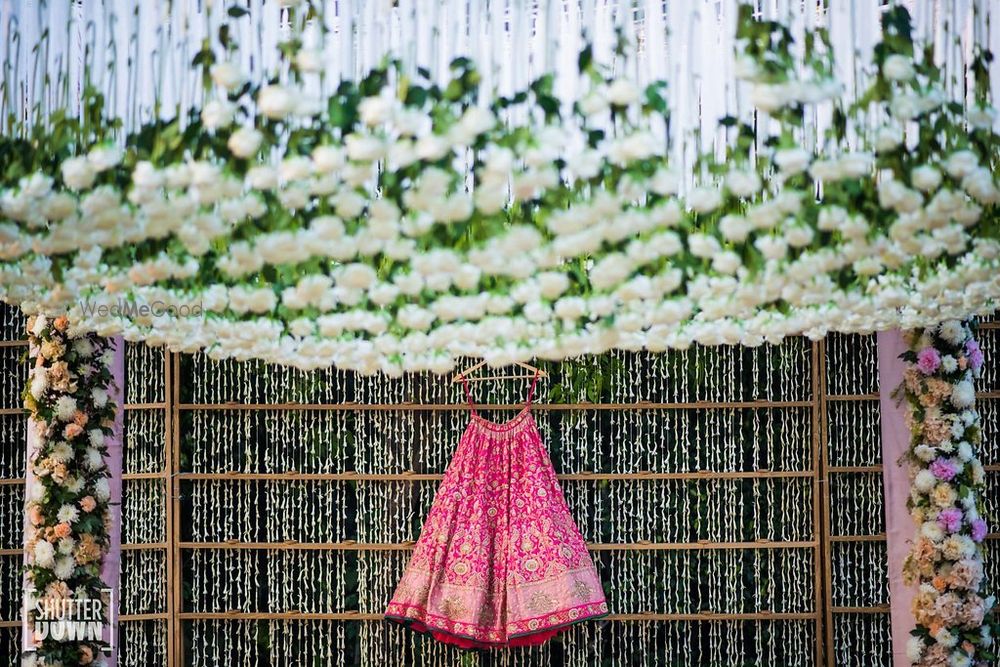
(72, 430)
(80, 418)
(62, 530)
(87, 504)
(60, 323)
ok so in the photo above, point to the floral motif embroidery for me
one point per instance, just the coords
(499, 556)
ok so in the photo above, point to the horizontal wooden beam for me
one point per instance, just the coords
(349, 545)
(358, 616)
(453, 407)
(124, 618)
(432, 477)
(880, 609)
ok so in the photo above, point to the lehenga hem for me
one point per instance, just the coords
(466, 642)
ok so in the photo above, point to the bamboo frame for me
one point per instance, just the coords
(826, 566)
(461, 407)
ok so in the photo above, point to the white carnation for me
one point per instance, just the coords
(963, 395)
(65, 566)
(44, 554)
(68, 514)
(65, 407)
(924, 481)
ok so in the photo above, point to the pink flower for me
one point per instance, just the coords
(928, 360)
(944, 469)
(950, 519)
(979, 530)
(975, 354)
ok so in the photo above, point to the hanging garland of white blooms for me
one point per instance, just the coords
(398, 224)
(67, 527)
(956, 623)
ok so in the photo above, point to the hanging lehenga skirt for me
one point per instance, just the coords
(500, 561)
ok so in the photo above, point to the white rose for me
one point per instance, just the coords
(734, 228)
(981, 118)
(768, 97)
(592, 104)
(244, 142)
(704, 200)
(226, 75)
(702, 245)
(665, 182)
(961, 163)
(364, 148)
(59, 206)
(276, 102)
(772, 247)
(743, 183)
(262, 178)
(552, 284)
(888, 138)
(792, 160)
(357, 276)
(623, 93)
(798, 236)
(375, 110)
(102, 158)
(328, 159)
(926, 178)
(610, 271)
(78, 173)
(727, 262)
(217, 113)
(898, 68)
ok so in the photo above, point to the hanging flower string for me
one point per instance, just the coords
(955, 622)
(67, 528)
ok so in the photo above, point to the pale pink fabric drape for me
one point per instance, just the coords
(112, 563)
(898, 525)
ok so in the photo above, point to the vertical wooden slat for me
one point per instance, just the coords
(824, 481)
(821, 602)
(175, 634)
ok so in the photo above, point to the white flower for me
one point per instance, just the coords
(276, 102)
(39, 382)
(44, 554)
(769, 97)
(58, 206)
(93, 459)
(364, 148)
(965, 452)
(926, 178)
(945, 637)
(898, 68)
(888, 138)
(959, 659)
(798, 236)
(623, 93)
(743, 183)
(914, 649)
(217, 113)
(571, 308)
(328, 159)
(702, 245)
(65, 407)
(244, 142)
(102, 490)
(227, 75)
(262, 178)
(704, 200)
(552, 284)
(592, 104)
(963, 395)
(981, 118)
(78, 173)
(772, 247)
(734, 228)
(665, 182)
(68, 514)
(961, 163)
(932, 530)
(924, 481)
(66, 546)
(65, 565)
(61, 453)
(358, 276)
(102, 158)
(727, 262)
(99, 396)
(792, 160)
(925, 453)
(610, 270)
(376, 111)
(952, 331)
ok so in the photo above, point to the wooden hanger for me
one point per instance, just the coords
(458, 377)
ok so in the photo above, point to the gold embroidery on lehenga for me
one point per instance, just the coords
(452, 607)
(581, 590)
(540, 602)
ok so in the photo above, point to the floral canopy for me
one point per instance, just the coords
(399, 223)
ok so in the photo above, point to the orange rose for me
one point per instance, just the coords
(60, 323)
(80, 418)
(72, 430)
(35, 515)
(87, 504)
(62, 530)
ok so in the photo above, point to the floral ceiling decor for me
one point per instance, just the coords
(399, 224)
(68, 517)
(956, 621)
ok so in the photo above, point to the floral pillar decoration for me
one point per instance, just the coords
(71, 400)
(955, 623)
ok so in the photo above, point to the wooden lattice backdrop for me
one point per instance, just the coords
(267, 511)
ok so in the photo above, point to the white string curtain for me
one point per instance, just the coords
(140, 54)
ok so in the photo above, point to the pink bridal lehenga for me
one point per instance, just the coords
(500, 561)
